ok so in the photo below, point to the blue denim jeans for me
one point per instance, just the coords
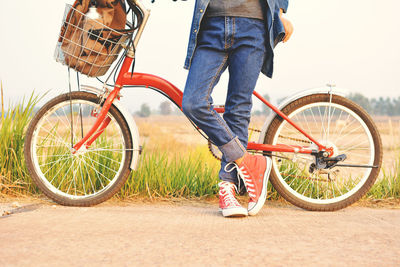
(238, 44)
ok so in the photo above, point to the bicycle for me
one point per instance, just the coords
(81, 146)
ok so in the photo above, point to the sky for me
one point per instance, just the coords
(353, 44)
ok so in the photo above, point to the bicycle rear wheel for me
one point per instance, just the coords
(89, 176)
(340, 124)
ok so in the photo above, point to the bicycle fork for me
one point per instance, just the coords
(103, 120)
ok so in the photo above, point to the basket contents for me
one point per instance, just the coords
(92, 35)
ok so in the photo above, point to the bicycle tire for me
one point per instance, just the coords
(44, 183)
(282, 176)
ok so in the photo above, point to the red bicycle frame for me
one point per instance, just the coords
(125, 78)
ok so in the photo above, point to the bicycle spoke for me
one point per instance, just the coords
(55, 156)
(111, 150)
(60, 119)
(305, 180)
(305, 119)
(317, 190)
(341, 130)
(96, 170)
(305, 189)
(340, 191)
(82, 178)
(298, 121)
(97, 173)
(59, 170)
(58, 139)
(329, 122)
(338, 120)
(72, 164)
(355, 147)
(55, 161)
(344, 128)
(322, 133)
(337, 128)
(113, 160)
(348, 133)
(315, 121)
(90, 179)
(72, 181)
(49, 139)
(103, 165)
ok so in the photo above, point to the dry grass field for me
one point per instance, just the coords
(175, 134)
(389, 129)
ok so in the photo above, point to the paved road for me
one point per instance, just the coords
(193, 234)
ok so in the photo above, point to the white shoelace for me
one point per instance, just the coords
(228, 195)
(242, 174)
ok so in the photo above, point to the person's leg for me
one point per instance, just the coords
(245, 62)
(209, 61)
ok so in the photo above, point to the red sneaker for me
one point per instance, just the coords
(228, 204)
(255, 170)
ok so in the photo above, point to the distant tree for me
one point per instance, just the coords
(265, 109)
(144, 111)
(362, 100)
(389, 107)
(396, 106)
(177, 111)
(280, 100)
(165, 108)
(382, 106)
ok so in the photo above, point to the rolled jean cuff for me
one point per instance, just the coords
(233, 150)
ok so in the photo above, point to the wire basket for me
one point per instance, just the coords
(87, 45)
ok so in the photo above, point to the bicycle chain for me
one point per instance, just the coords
(210, 148)
(296, 139)
(210, 144)
(285, 137)
(255, 130)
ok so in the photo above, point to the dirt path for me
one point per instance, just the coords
(191, 233)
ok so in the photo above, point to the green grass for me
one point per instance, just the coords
(180, 176)
(14, 178)
(190, 174)
(389, 186)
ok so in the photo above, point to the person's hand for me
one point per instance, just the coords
(287, 25)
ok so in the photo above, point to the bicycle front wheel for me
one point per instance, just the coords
(334, 122)
(90, 175)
